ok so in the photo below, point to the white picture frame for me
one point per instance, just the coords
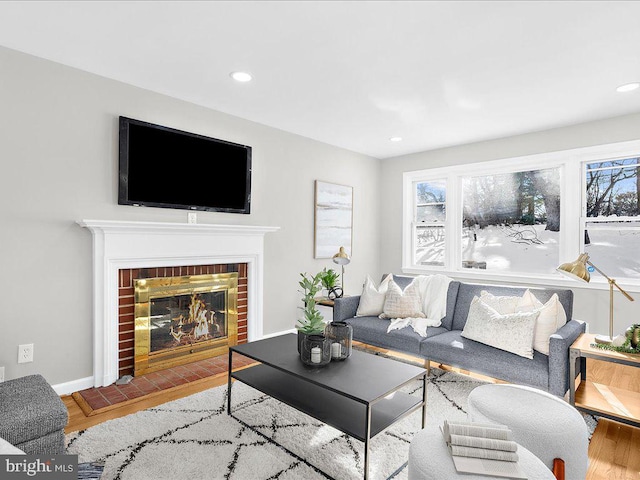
(333, 219)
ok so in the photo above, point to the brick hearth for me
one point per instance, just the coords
(93, 399)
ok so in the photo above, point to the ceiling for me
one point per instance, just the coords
(354, 74)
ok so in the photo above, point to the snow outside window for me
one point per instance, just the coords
(611, 216)
(511, 221)
(429, 222)
(514, 218)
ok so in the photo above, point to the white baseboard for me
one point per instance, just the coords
(73, 386)
(269, 335)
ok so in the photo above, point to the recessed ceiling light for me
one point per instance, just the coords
(395, 139)
(241, 76)
(628, 87)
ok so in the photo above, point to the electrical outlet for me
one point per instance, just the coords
(25, 353)
(192, 217)
(1, 374)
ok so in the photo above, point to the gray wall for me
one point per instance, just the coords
(59, 153)
(589, 305)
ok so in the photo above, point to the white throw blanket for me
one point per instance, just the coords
(433, 292)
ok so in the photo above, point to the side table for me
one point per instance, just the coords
(325, 307)
(598, 399)
(327, 302)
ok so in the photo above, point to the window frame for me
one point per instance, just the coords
(414, 223)
(572, 164)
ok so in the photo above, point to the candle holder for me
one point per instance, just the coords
(315, 350)
(340, 334)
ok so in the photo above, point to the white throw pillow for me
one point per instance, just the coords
(372, 298)
(433, 292)
(552, 317)
(502, 305)
(399, 304)
(512, 332)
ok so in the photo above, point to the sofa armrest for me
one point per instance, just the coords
(559, 344)
(345, 307)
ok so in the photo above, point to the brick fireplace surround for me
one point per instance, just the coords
(126, 302)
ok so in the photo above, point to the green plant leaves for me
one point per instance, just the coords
(312, 322)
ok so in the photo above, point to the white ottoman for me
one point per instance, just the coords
(430, 459)
(543, 423)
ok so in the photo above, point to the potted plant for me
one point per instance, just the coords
(633, 337)
(329, 280)
(311, 324)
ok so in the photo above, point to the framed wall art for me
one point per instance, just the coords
(333, 219)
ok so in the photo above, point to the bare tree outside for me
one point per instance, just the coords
(613, 188)
(511, 221)
(612, 230)
(526, 198)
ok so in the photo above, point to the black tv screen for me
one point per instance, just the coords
(164, 167)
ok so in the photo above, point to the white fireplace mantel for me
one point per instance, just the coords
(118, 245)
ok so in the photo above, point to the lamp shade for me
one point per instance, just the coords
(341, 258)
(576, 269)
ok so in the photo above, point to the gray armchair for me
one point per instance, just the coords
(32, 416)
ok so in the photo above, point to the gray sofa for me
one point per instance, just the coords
(446, 345)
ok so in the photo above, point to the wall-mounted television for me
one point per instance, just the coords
(169, 168)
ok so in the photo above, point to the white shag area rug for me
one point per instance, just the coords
(193, 438)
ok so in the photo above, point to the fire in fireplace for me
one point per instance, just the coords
(182, 319)
(187, 319)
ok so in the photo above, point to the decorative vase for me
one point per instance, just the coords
(340, 334)
(300, 338)
(633, 334)
(315, 350)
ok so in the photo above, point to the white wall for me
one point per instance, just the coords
(591, 305)
(59, 154)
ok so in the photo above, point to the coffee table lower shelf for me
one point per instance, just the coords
(341, 412)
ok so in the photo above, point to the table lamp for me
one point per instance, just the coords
(578, 271)
(342, 259)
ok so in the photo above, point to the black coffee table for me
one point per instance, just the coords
(353, 396)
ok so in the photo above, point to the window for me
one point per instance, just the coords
(522, 217)
(611, 216)
(511, 221)
(429, 222)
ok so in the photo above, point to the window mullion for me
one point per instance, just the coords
(572, 207)
(453, 224)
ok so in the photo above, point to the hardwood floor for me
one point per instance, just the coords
(614, 452)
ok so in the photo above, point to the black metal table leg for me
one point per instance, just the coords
(367, 433)
(424, 400)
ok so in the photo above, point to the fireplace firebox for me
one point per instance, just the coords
(182, 319)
